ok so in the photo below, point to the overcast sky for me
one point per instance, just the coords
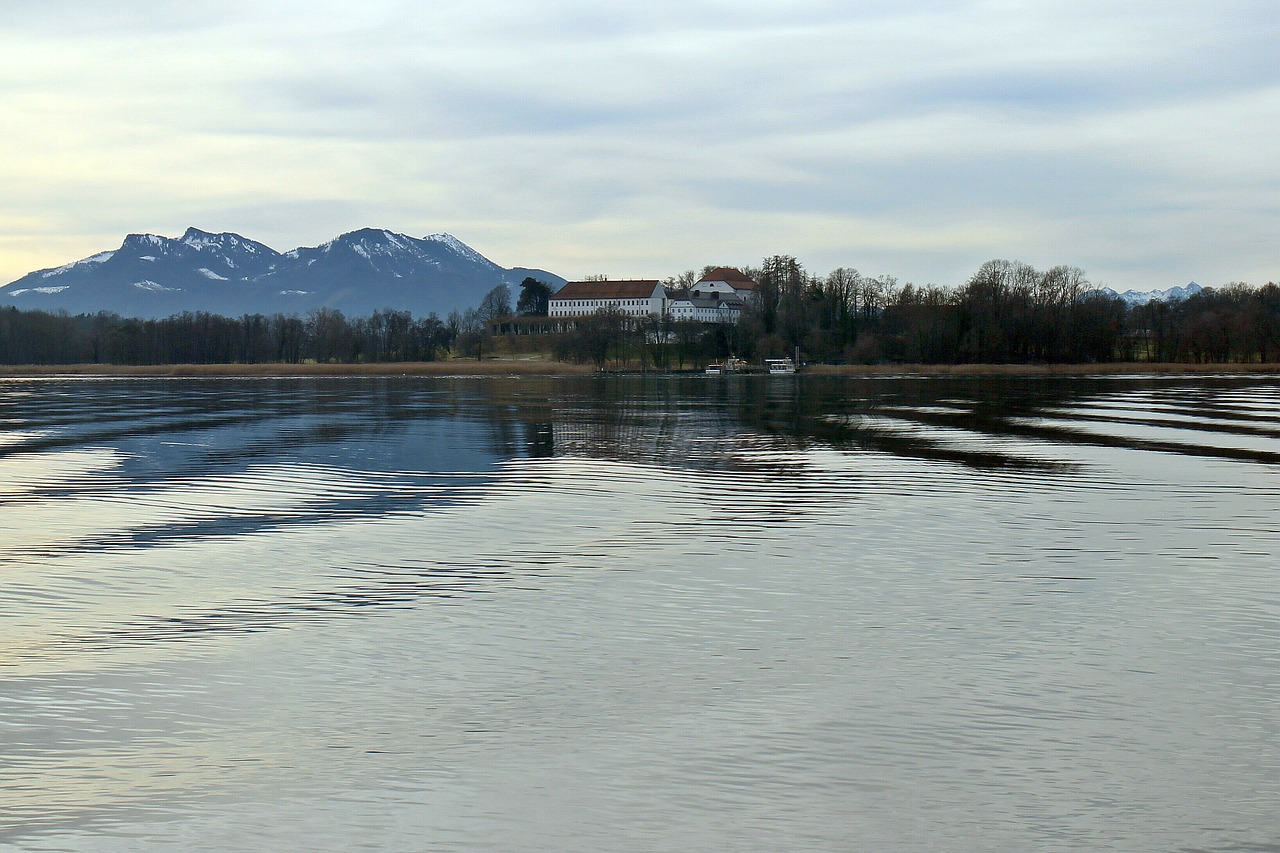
(1137, 139)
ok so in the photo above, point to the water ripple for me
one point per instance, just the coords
(621, 613)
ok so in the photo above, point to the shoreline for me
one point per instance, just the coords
(459, 367)
(453, 367)
(1110, 369)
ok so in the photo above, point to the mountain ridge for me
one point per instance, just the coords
(1134, 297)
(357, 272)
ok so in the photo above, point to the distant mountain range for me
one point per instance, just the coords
(1135, 297)
(358, 273)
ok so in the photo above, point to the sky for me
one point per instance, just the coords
(1137, 140)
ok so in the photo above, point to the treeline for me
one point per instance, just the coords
(1234, 323)
(324, 335)
(1008, 312)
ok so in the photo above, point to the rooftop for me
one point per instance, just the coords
(735, 277)
(639, 289)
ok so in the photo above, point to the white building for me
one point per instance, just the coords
(726, 281)
(717, 297)
(715, 308)
(632, 298)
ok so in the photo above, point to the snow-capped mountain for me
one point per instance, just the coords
(388, 253)
(1173, 294)
(359, 273)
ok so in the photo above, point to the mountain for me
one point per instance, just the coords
(1173, 294)
(358, 273)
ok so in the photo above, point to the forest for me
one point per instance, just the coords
(1006, 313)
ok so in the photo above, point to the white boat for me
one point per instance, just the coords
(729, 365)
(779, 366)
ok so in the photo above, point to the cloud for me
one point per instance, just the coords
(1130, 139)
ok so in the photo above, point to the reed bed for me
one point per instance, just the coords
(1117, 368)
(452, 367)
(538, 367)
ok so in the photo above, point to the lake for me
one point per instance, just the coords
(640, 613)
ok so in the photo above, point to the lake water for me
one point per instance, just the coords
(639, 614)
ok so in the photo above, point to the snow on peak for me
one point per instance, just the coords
(92, 260)
(146, 240)
(1142, 297)
(202, 240)
(459, 248)
(374, 237)
(369, 243)
(380, 247)
(154, 286)
(210, 274)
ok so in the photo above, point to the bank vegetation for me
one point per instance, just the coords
(1007, 313)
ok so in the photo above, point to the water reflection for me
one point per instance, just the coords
(91, 467)
(771, 609)
(163, 426)
(168, 466)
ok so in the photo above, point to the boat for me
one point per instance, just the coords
(730, 365)
(779, 366)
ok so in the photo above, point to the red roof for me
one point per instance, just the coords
(606, 290)
(737, 278)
